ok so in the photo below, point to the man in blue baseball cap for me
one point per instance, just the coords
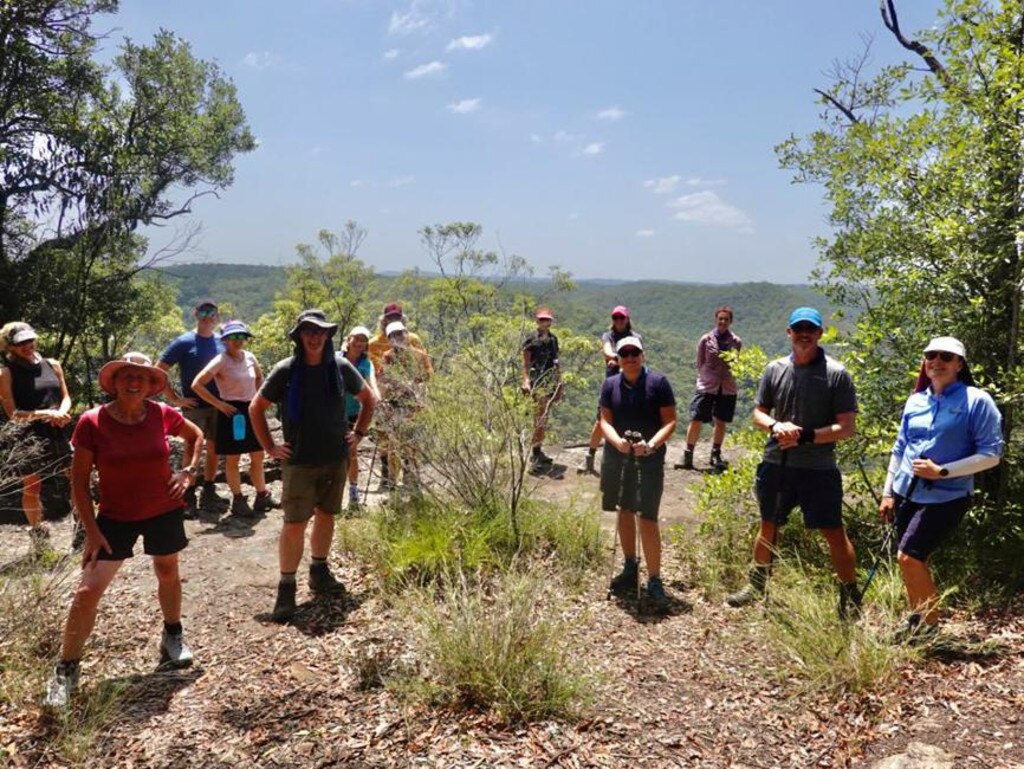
(806, 402)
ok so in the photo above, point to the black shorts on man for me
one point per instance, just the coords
(819, 493)
(706, 406)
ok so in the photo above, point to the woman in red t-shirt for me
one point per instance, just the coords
(140, 495)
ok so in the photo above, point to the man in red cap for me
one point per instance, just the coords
(542, 379)
(621, 327)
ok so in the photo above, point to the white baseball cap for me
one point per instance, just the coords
(947, 344)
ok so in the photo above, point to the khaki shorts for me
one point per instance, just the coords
(312, 486)
(205, 418)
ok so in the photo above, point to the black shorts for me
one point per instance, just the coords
(161, 535)
(225, 433)
(818, 492)
(922, 528)
(707, 406)
(619, 487)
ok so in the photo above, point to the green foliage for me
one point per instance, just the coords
(485, 645)
(925, 180)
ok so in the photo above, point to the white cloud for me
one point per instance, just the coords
(697, 181)
(470, 42)
(705, 207)
(565, 136)
(663, 185)
(594, 148)
(644, 233)
(465, 106)
(261, 60)
(423, 70)
(391, 54)
(536, 138)
(612, 113)
(418, 18)
(400, 181)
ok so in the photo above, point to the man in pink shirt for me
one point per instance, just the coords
(715, 399)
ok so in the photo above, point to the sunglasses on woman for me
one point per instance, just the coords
(942, 355)
(236, 337)
(630, 352)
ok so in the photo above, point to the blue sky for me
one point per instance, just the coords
(626, 140)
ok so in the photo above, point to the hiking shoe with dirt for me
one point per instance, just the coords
(656, 593)
(587, 467)
(542, 459)
(174, 653)
(686, 463)
(284, 606)
(718, 465)
(915, 632)
(849, 602)
(61, 686)
(240, 507)
(752, 591)
(209, 499)
(625, 582)
(264, 502)
(322, 582)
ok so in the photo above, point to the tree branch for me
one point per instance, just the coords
(838, 105)
(892, 23)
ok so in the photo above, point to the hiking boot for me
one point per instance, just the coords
(588, 466)
(173, 651)
(209, 499)
(686, 463)
(264, 502)
(915, 632)
(322, 582)
(625, 582)
(849, 602)
(61, 685)
(540, 458)
(718, 465)
(240, 506)
(284, 606)
(656, 593)
(752, 591)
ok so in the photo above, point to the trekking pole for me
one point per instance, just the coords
(886, 543)
(634, 437)
(776, 518)
(629, 436)
(373, 460)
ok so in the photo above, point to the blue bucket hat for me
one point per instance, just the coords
(808, 314)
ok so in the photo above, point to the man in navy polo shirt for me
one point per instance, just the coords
(806, 402)
(190, 352)
(636, 400)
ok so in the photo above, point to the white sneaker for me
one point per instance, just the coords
(173, 651)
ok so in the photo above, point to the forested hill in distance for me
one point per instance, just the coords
(668, 313)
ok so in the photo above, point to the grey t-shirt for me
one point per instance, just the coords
(317, 432)
(809, 396)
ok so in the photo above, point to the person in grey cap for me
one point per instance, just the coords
(190, 352)
(310, 389)
(806, 402)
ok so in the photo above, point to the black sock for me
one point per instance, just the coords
(318, 561)
(67, 666)
(536, 451)
(208, 484)
(592, 451)
(690, 447)
(172, 628)
(287, 577)
(716, 448)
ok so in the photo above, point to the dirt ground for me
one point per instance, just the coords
(684, 690)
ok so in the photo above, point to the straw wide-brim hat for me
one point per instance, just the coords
(157, 376)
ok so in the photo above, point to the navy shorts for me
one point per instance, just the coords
(161, 535)
(619, 487)
(707, 406)
(922, 528)
(818, 492)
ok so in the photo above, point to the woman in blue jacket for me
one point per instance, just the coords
(950, 430)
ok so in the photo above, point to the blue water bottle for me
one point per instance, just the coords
(238, 427)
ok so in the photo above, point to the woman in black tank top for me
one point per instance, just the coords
(37, 406)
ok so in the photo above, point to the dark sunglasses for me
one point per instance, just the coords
(206, 312)
(803, 327)
(618, 317)
(942, 355)
(630, 352)
(237, 337)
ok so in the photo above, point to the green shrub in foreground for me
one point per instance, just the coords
(425, 540)
(485, 645)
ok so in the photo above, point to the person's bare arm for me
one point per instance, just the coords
(199, 388)
(81, 473)
(527, 358)
(170, 395)
(611, 434)
(182, 478)
(669, 420)
(258, 417)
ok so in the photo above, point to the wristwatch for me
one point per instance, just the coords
(189, 470)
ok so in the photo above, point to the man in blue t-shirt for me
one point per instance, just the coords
(638, 416)
(190, 352)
